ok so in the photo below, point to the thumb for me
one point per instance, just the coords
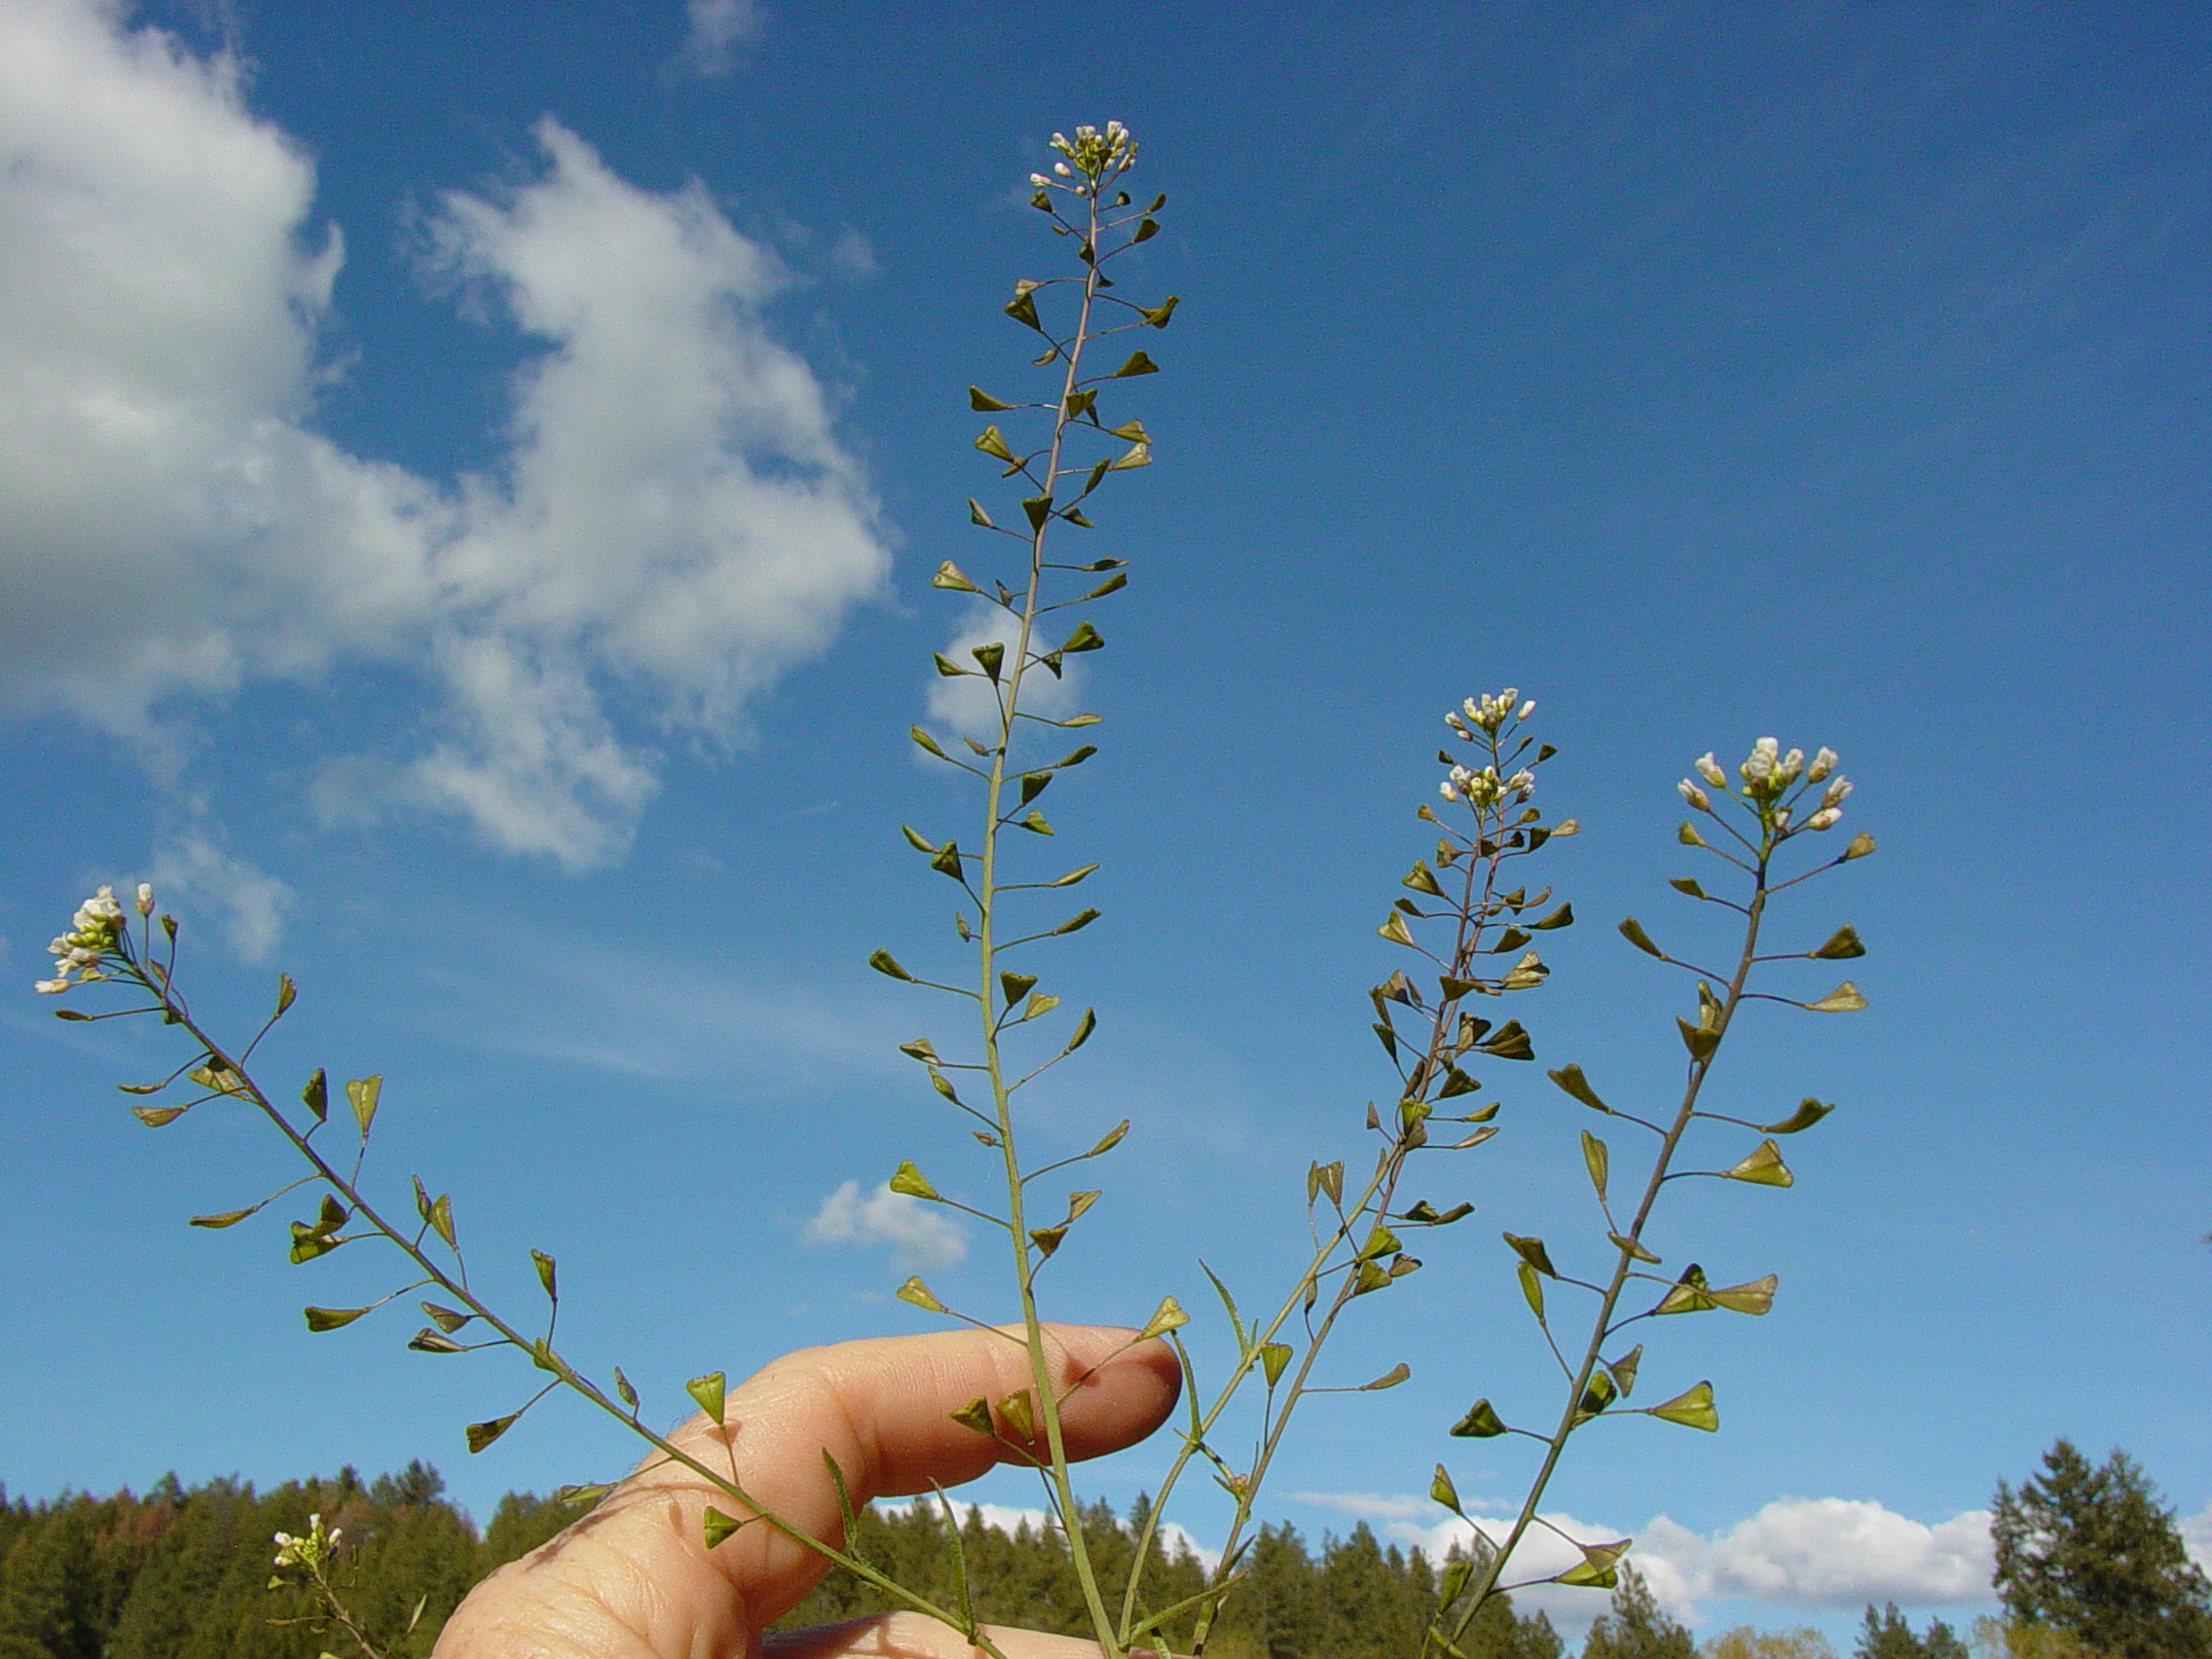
(635, 1578)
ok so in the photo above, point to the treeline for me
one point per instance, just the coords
(184, 1573)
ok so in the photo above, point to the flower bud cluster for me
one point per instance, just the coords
(311, 1551)
(94, 931)
(1094, 154)
(1486, 788)
(1768, 775)
(1488, 714)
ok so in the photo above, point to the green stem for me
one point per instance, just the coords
(1485, 1585)
(1045, 1396)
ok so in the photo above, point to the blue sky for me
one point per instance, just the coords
(469, 482)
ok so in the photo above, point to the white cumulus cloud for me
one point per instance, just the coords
(673, 524)
(922, 1236)
(1795, 1553)
(253, 905)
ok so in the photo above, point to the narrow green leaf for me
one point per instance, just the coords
(709, 1392)
(1692, 1408)
(1442, 1491)
(1533, 1288)
(1596, 1161)
(1809, 1111)
(850, 1521)
(1571, 1079)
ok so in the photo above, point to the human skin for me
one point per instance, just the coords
(634, 1580)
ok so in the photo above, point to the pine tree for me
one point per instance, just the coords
(1635, 1627)
(2090, 1550)
(1888, 1635)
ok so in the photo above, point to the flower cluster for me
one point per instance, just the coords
(94, 931)
(312, 1551)
(1094, 154)
(1768, 775)
(1488, 714)
(1485, 788)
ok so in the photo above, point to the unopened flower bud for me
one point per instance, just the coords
(1443, 789)
(1836, 792)
(1824, 819)
(1782, 817)
(1824, 763)
(145, 898)
(1064, 170)
(1527, 709)
(1793, 764)
(1039, 180)
(1709, 770)
(1696, 796)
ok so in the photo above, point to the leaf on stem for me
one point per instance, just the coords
(983, 403)
(1533, 1252)
(919, 1295)
(427, 1341)
(708, 1391)
(623, 1388)
(362, 1094)
(1841, 944)
(447, 1319)
(1168, 1316)
(1480, 1423)
(1274, 1361)
(1596, 1161)
(1389, 1379)
(1113, 1136)
(1138, 364)
(718, 1528)
(1632, 930)
(993, 444)
(883, 962)
(482, 1434)
(1756, 1296)
(1443, 1491)
(911, 1182)
(154, 1117)
(1763, 1166)
(547, 1275)
(581, 1495)
(1809, 1111)
(1571, 1079)
(1563, 917)
(229, 1218)
(1624, 1369)
(1699, 1040)
(1693, 1408)
(1844, 999)
(331, 1318)
(1533, 1288)
(1687, 884)
(1086, 1024)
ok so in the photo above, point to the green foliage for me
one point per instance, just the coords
(1635, 1627)
(184, 1573)
(1888, 1635)
(2089, 1550)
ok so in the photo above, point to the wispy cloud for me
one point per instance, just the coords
(674, 524)
(252, 904)
(714, 29)
(921, 1237)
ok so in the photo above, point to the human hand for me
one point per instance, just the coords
(634, 1580)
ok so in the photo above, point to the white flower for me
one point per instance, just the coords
(1709, 770)
(1793, 764)
(1824, 763)
(51, 987)
(1824, 819)
(1696, 796)
(1524, 780)
(1443, 789)
(1458, 724)
(1836, 792)
(145, 898)
(1782, 817)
